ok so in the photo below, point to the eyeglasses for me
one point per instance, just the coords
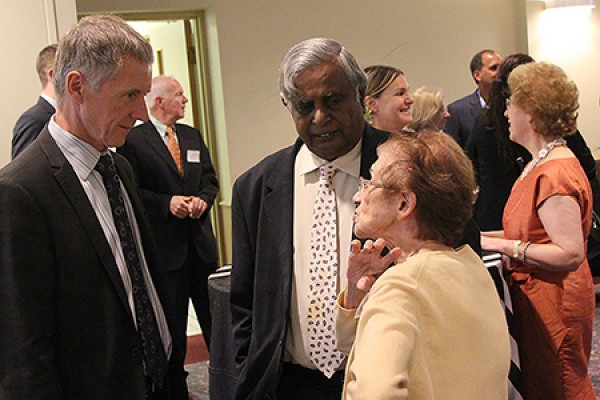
(367, 185)
(508, 102)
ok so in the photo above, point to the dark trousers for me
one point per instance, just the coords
(191, 282)
(299, 383)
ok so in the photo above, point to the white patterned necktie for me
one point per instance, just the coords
(323, 274)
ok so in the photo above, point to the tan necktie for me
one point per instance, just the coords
(323, 272)
(173, 147)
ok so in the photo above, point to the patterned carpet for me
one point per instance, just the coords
(196, 364)
(198, 380)
(198, 371)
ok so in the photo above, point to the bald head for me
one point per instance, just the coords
(166, 100)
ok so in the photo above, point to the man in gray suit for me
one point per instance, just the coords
(31, 122)
(464, 112)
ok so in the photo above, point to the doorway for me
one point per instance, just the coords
(180, 50)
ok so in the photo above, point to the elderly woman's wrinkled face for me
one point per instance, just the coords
(377, 203)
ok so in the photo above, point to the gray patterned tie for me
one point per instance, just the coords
(154, 352)
(323, 273)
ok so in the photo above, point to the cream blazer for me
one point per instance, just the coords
(432, 327)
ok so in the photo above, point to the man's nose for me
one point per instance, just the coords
(140, 112)
(321, 116)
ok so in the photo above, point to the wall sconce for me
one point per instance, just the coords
(569, 3)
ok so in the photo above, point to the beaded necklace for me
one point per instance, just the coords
(543, 153)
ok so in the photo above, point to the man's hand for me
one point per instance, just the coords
(179, 206)
(196, 207)
(365, 265)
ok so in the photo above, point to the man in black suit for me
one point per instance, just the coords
(84, 305)
(178, 186)
(31, 122)
(464, 111)
(322, 86)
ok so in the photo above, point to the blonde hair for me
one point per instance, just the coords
(427, 104)
(544, 91)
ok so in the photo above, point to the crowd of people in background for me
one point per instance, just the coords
(336, 292)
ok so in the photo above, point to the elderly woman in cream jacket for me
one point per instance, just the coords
(431, 326)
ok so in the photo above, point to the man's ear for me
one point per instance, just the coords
(284, 101)
(477, 75)
(75, 85)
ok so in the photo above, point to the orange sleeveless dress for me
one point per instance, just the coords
(553, 310)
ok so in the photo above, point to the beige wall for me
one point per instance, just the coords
(169, 38)
(26, 26)
(431, 40)
(572, 42)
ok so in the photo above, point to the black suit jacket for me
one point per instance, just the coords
(159, 180)
(66, 327)
(261, 278)
(463, 114)
(30, 124)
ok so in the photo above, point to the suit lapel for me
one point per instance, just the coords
(278, 209)
(475, 107)
(69, 182)
(190, 175)
(152, 136)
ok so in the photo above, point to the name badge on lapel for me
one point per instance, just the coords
(193, 156)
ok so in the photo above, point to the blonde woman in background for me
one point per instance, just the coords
(429, 113)
(388, 100)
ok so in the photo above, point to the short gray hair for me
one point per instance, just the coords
(96, 47)
(310, 53)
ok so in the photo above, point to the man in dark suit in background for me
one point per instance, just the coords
(84, 305)
(323, 88)
(178, 186)
(464, 111)
(31, 122)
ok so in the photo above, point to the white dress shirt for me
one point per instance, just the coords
(306, 178)
(83, 158)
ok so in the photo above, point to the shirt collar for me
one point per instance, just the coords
(349, 163)
(82, 156)
(49, 99)
(160, 127)
(481, 100)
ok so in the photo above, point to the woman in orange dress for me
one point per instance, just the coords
(546, 222)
